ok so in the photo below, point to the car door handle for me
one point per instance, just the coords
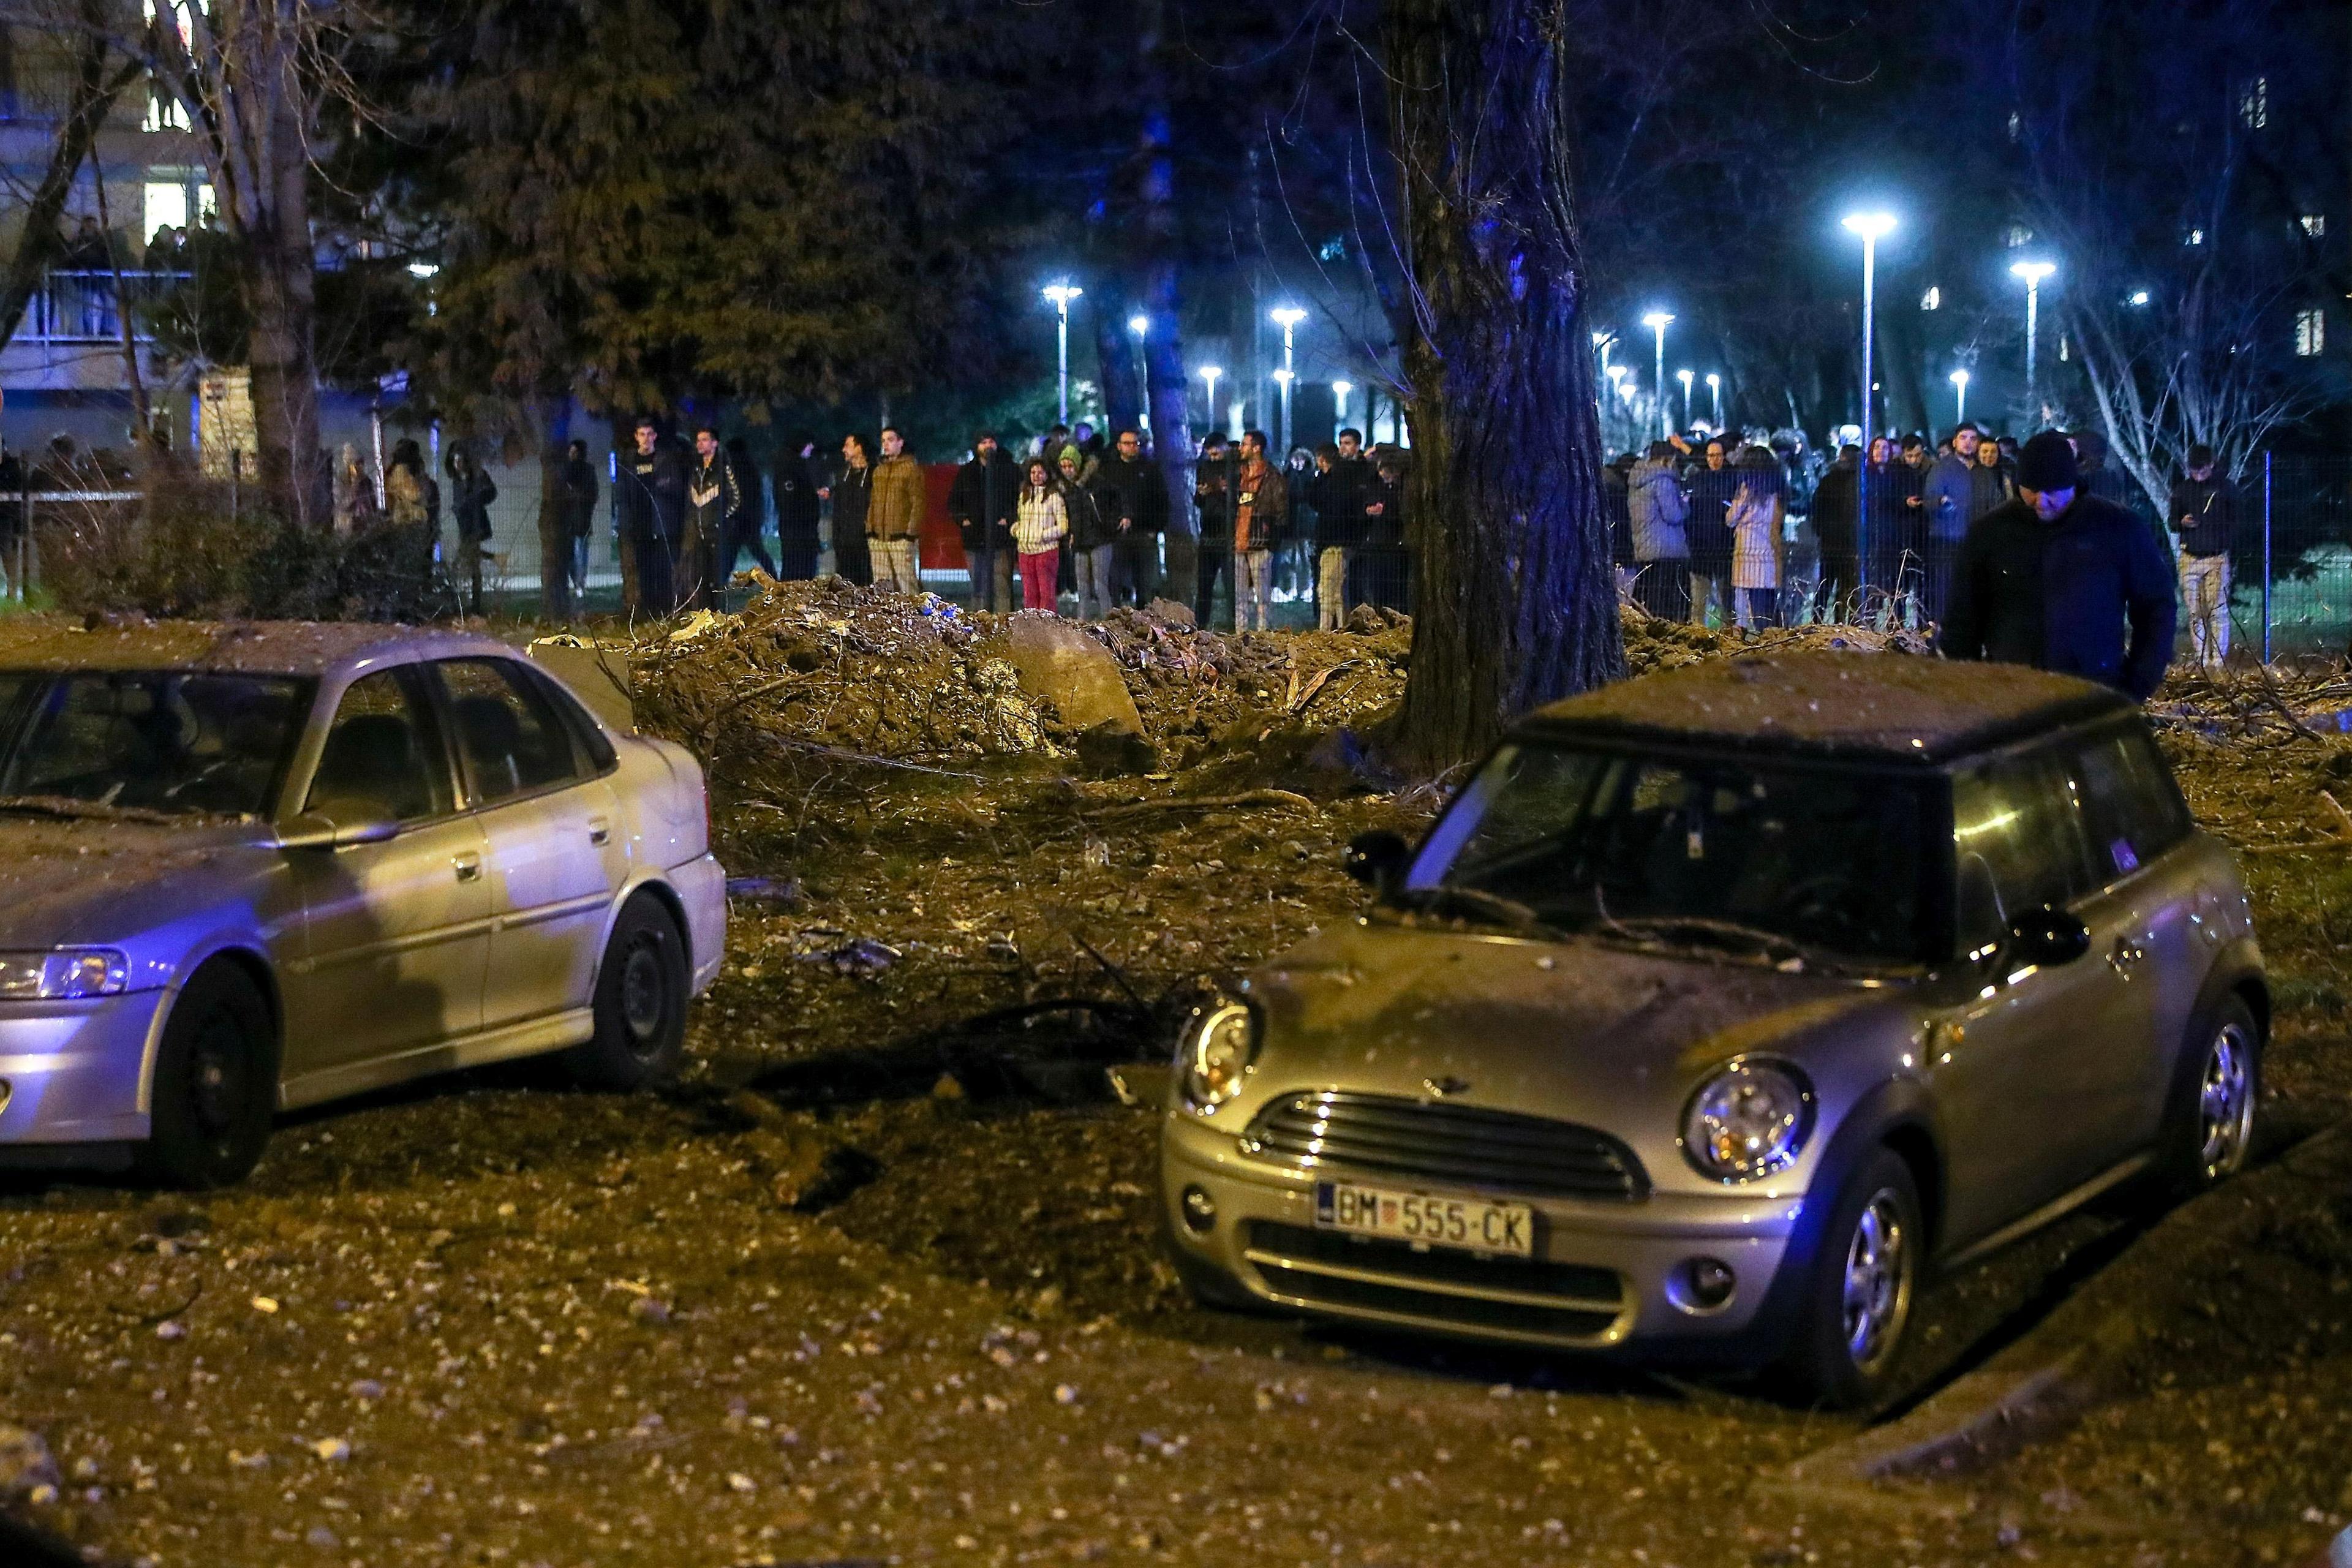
(467, 867)
(600, 833)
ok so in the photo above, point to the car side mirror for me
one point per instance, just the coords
(2048, 937)
(1376, 860)
(316, 830)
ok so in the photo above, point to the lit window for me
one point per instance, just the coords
(2018, 234)
(1334, 250)
(2016, 126)
(166, 205)
(2140, 297)
(2254, 103)
(2315, 225)
(2062, 348)
(2196, 237)
(1932, 300)
(2310, 332)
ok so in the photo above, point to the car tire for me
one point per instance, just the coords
(642, 984)
(1855, 1306)
(2209, 1124)
(215, 1094)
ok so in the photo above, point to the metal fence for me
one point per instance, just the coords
(2290, 565)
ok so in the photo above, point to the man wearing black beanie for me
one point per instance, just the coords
(2062, 581)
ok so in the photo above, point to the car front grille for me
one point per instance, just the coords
(1503, 1296)
(1464, 1145)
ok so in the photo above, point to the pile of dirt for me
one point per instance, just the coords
(829, 664)
(1652, 644)
(1193, 684)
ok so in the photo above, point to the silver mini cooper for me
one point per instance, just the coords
(250, 868)
(1720, 1005)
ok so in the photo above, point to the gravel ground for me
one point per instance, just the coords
(879, 1283)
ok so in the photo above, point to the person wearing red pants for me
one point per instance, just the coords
(1039, 524)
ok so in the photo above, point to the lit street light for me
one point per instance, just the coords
(1960, 397)
(1061, 294)
(1872, 228)
(1287, 317)
(1715, 390)
(1141, 325)
(2033, 272)
(1686, 377)
(1209, 373)
(1658, 321)
(1339, 390)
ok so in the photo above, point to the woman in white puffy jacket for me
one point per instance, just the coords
(1039, 526)
(1755, 516)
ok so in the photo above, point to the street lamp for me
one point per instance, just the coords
(1209, 373)
(1061, 294)
(1960, 397)
(1339, 390)
(1141, 325)
(2033, 272)
(1715, 390)
(1656, 321)
(1686, 377)
(1872, 228)
(1287, 317)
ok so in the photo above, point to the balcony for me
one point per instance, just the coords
(81, 306)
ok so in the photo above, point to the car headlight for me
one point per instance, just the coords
(1749, 1120)
(62, 973)
(1220, 1047)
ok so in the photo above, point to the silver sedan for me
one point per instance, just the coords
(246, 869)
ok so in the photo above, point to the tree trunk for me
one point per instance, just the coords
(285, 364)
(1516, 603)
(1122, 392)
(1166, 384)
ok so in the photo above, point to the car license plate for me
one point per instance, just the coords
(1472, 1224)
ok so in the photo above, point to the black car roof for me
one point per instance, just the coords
(1868, 707)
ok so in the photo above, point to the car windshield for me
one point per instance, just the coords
(145, 742)
(1773, 860)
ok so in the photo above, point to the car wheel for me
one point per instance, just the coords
(641, 996)
(2210, 1124)
(215, 1094)
(1857, 1303)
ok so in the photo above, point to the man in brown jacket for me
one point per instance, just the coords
(895, 517)
(1261, 508)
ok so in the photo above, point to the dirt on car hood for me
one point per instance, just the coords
(98, 878)
(1573, 1030)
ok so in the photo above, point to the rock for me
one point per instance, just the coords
(1367, 619)
(367, 1388)
(26, 1463)
(1169, 612)
(172, 1329)
(334, 1450)
(596, 673)
(649, 1309)
(1056, 662)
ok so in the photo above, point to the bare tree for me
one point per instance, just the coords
(1517, 606)
(2184, 259)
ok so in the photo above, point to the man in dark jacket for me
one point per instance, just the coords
(715, 507)
(1711, 483)
(651, 487)
(1342, 496)
(2204, 516)
(751, 523)
(564, 551)
(471, 491)
(2062, 581)
(1135, 500)
(798, 541)
(1837, 531)
(982, 502)
(1213, 494)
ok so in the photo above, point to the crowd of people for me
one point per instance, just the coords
(1714, 529)
(1078, 523)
